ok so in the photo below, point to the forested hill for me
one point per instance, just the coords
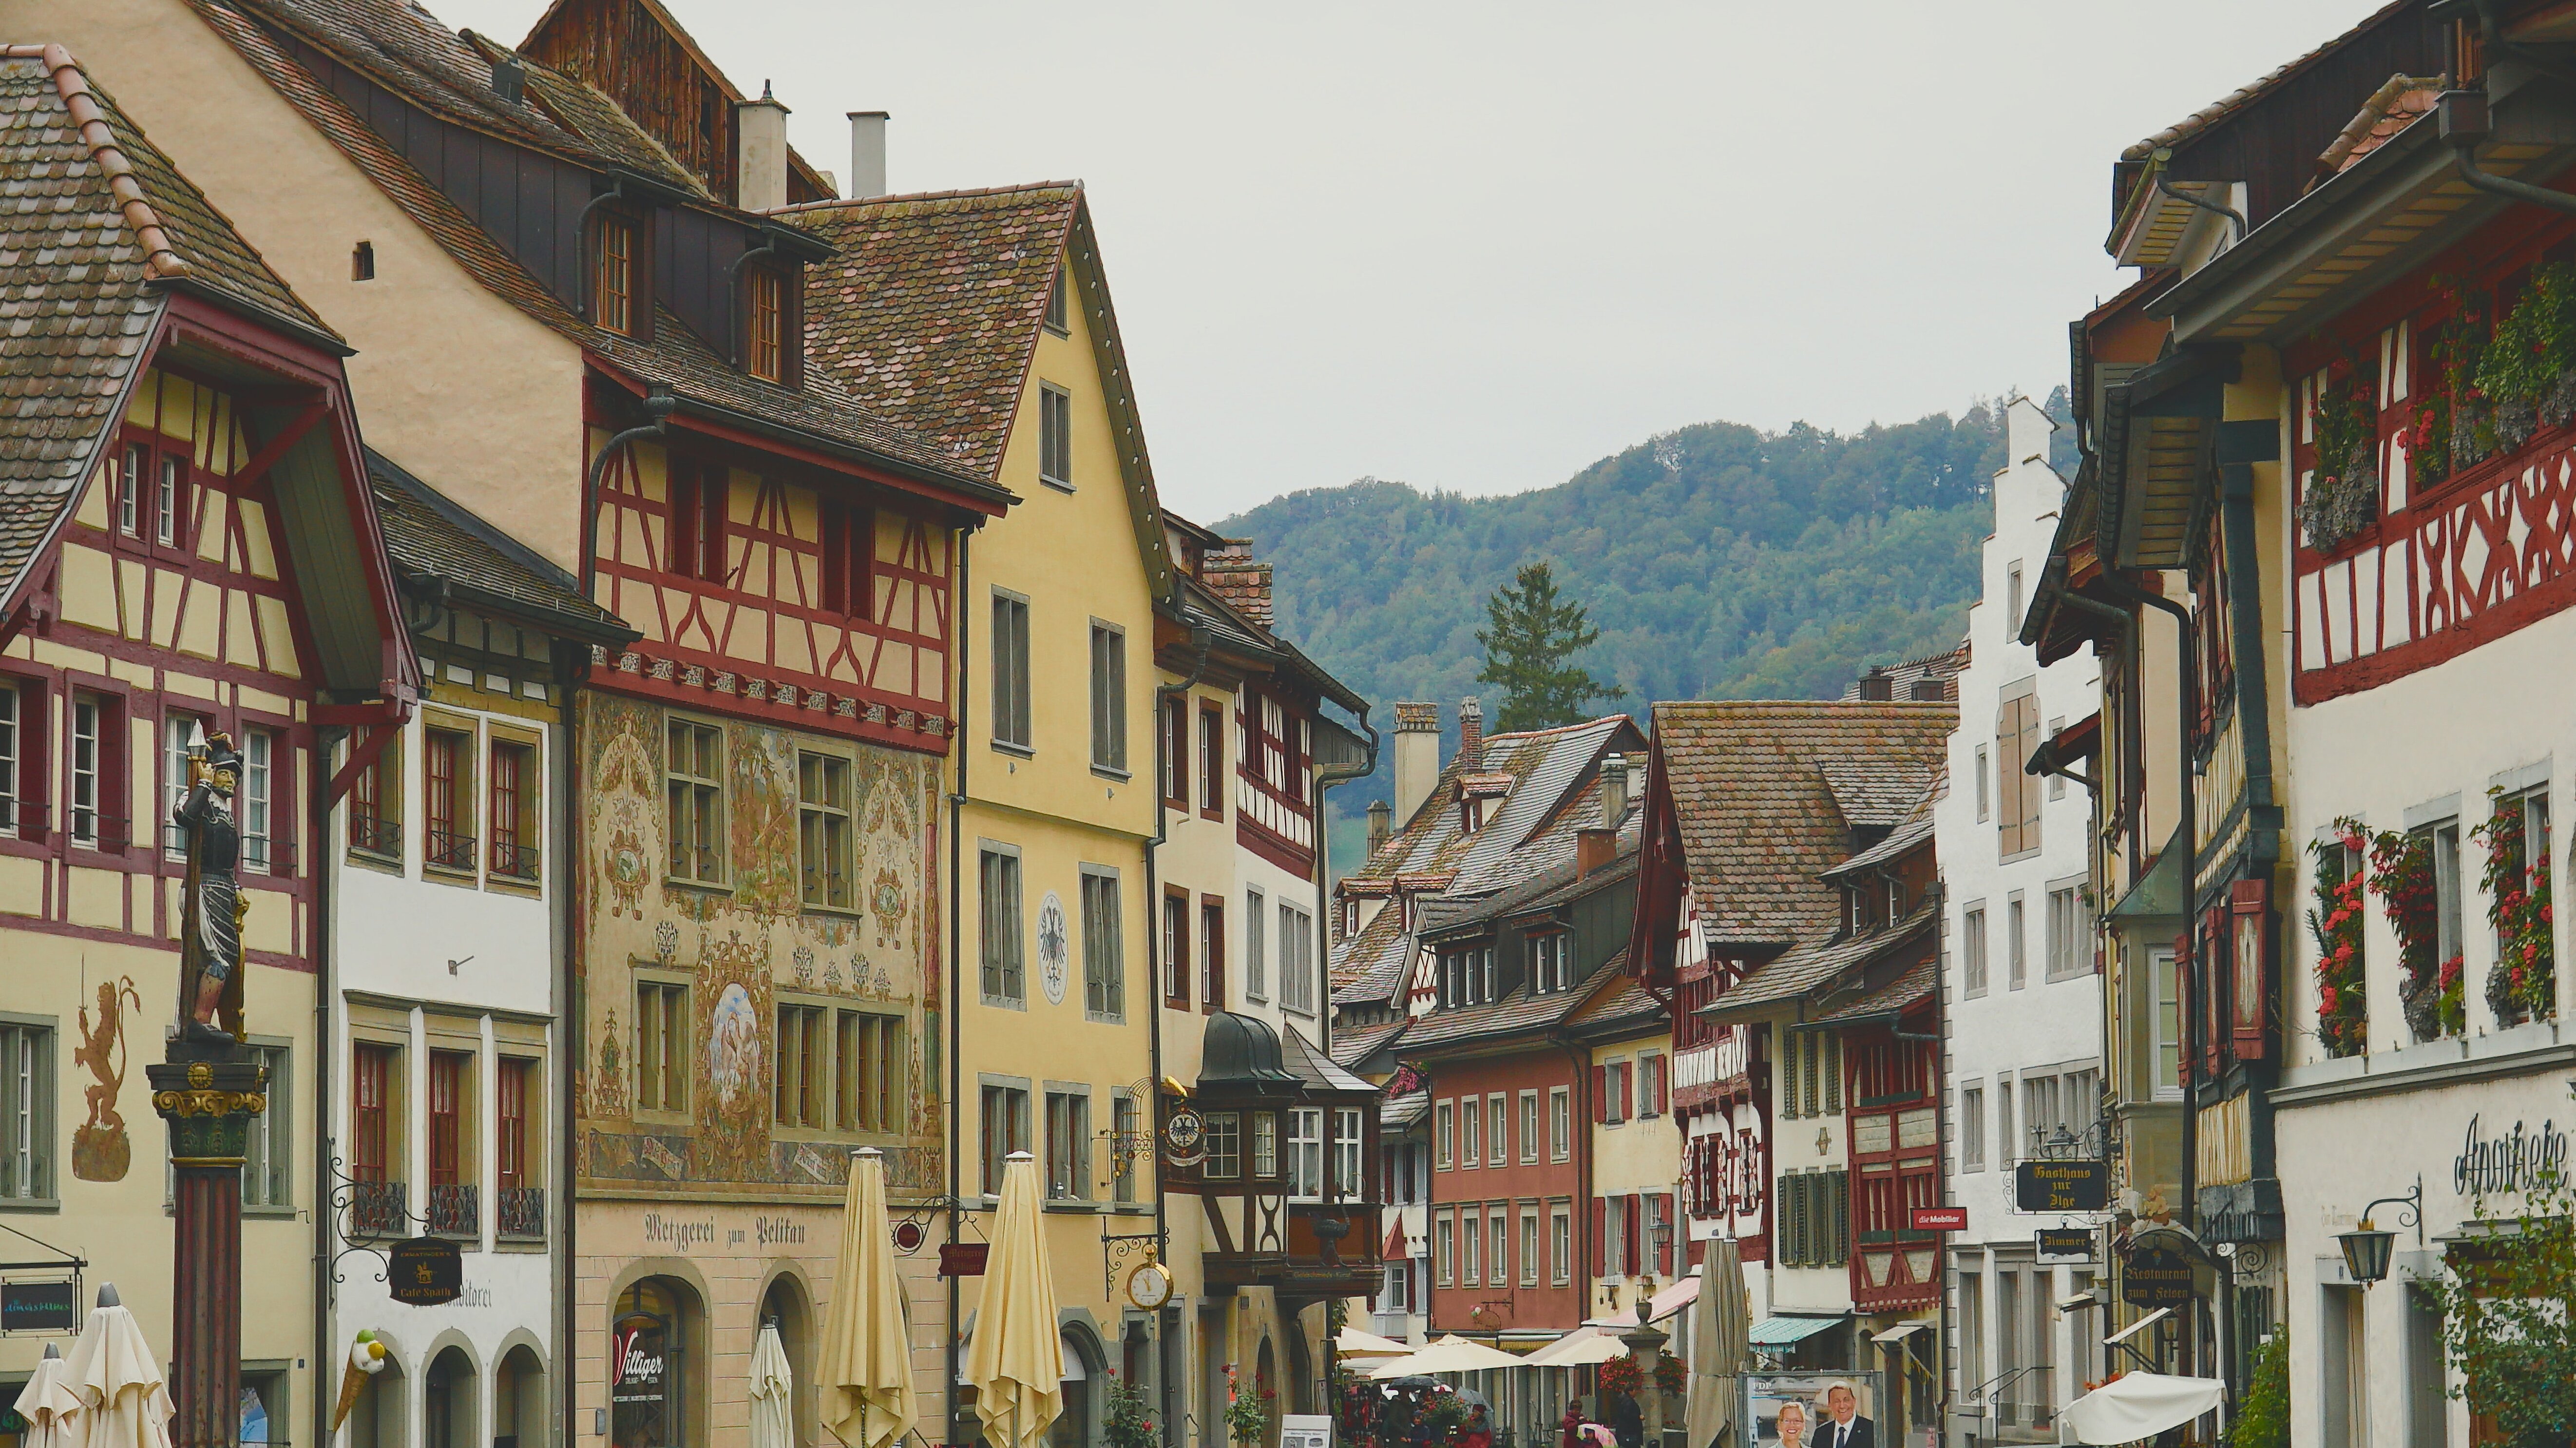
(1718, 561)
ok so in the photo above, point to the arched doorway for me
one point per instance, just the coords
(657, 1366)
(1265, 1384)
(785, 1304)
(1077, 1426)
(519, 1399)
(376, 1419)
(447, 1401)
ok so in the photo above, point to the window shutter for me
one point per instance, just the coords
(1793, 1218)
(1663, 1084)
(2251, 999)
(1839, 1205)
(1664, 1253)
(1627, 1093)
(1600, 1228)
(2030, 790)
(1833, 1074)
(1601, 1095)
(1633, 1208)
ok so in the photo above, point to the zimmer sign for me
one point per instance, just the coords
(2062, 1186)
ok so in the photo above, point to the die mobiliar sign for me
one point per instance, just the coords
(2062, 1186)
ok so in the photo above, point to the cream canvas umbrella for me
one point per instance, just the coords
(1352, 1342)
(866, 1372)
(2140, 1405)
(1719, 1331)
(1015, 1360)
(124, 1403)
(772, 1384)
(1586, 1346)
(1451, 1354)
(49, 1405)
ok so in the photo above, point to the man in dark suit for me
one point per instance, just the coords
(1844, 1427)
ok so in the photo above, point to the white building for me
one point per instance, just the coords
(448, 915)
(2022, 998)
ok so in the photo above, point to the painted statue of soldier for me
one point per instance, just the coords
(210, 974)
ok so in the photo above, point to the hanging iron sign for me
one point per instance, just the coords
(40, 1306)
(2157, 1279)
(425, 1271)
(2063, 1244)
(1184, 1137)
(2062, 1186)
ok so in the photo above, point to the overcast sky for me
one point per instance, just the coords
(1479, 246)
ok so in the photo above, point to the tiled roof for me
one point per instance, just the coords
(1913, 833)
(930, 312)
(1403, 1110)
(433, 537)
(1941, 670)
(1804, 969)
(1901, 994)
(675, 358)
(2390, 109)
(1519, 1011)
(1354, 1044)
(1755, 796)
(94, 215)
(2235, 100)
(1628, 1002)
(1314, 1067)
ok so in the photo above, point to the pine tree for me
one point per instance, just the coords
(1534, 632)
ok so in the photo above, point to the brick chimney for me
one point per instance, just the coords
(1380, 827)
(1230, 574)
(1876, 686)
(760, 153)
(867, 155)
(1471, 735)
(1417, 755)
(1614, 790)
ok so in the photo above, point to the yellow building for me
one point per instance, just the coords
(187, 543)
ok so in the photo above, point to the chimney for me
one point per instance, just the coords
(1379, 827)
(1614, 791)
(867, 155)
(1877, 687)
(1471, 735)
(1929, 690)
(1417, 756)
(1594, 849)
(760, 153)
(510, 79)
(1230, 574)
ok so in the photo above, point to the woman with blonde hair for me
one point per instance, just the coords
(1791, 1425)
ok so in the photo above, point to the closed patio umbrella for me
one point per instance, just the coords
(1719, 1332)
(1015, 1361)
(49, 1405)
(866, 1371)
(772, 1387)
(2140, 1405)
(124, 1402)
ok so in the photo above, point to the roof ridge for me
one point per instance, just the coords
(960, 194)
(160, 258)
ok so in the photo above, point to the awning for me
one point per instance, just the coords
(1782, 1332)
(1899, 1332)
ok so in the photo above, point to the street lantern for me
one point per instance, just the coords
(2366, 1247)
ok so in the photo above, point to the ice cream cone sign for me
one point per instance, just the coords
(366, 1359)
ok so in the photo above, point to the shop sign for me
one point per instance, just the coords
(40, 1306)
(2062, 1186)
(639, 1380)
(963, 1259)
(1304, 1430)
(2157, 1279)
(1939, 1219)
(2063, 1244)
(425, 1271)
(2511, 1162)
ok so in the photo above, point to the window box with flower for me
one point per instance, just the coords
(2402, 875)
(2342, 496)
(2335, 921)
(2523, 985)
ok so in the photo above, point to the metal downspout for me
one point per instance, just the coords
(658, 404)
(326, 1376)
(2165, 188)
(571, 1040)
(956, 963)
(1326, 779)
(1154, 976)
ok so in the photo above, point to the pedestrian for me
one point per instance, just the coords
(1478, 1431)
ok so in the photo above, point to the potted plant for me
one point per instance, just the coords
(2342, 497)
(2529, 365)
(2334, 922)
(2523, 986)
(2401, 875)
(1246, 1413)
(1127, 1420)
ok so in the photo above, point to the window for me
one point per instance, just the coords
(1444, 1133)
(2016, 944)
(1211, 763)
(176, 730)
(260, 813)
(1498, 1232)
(1471, 1241)
(699, 494)
(1348, 1181)
(97, 803)
(696, 799)
(1211, 955)
(447, 799)
(1972, 1326)
(1055, 436)
(1256, 967)
(2007, 1146)
(1171, 752)
(515, 1084)
(1972, 1129)
(1498, 1126)
(1471, 1140)
(1551, 961)
(1068, 1146)
(801, 1067)
(765, 310)
(870, 1063)
(1056, 319)
(372, 1143)
(129, 489)
(448, 1072)
(1560, 1233)
(1612, 1080)
(613, 275)
(2056, 782)
(1296, 958)
(1224, 1145)
(1394, 1294)
(1444, 1254)
(2168, 1081)
(1306, 1154)
(375, 804)
(661, 1047)
(1104, 948)
(1265, 1143)
(1004, 1123)
(1005, 971)
(26, 1111)
(1176, 951)
(1529, 1126)
(823, 831)
(2446, 890)
(2012, 596)
(1833, 1074)
(1108, 698)
(1123, 1132)
(846, 585)
(1614, 1235)
(268, 1162)
(169, 502)
(1985, 790)
(514, 797)
(362, 262)
(1010, 670)
(14, 754)
(2017, 803)
(2070, 933)
(1972, 949)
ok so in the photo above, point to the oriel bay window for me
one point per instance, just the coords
(1224, 1145)
(1347, 1182)
(1306, 1154)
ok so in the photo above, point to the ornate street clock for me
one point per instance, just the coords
(1052, 948)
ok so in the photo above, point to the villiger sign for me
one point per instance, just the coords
(2512, 1161)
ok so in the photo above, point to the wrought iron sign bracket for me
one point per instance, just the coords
(344, 1211)
(1117, 1247)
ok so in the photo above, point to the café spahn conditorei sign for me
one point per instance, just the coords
(425, 1271)
(2513, 1161)
(2062, 1186)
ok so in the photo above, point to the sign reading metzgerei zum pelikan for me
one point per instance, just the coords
(2062, 1186)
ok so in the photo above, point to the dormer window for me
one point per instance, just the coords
(612, 303)
(1471, 815)
(1551, 961)
(765, 311)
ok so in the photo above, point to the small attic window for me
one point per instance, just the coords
(362, 262)
(1056, 320)
(1471, 815)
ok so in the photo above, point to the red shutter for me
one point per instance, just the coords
(1601, 1095)
(1634, 1208)
(1600, 1229)
(1627, 1092)
(1664, 1254)
(2183, 1007)
(2250, 910)
(1663, 1084)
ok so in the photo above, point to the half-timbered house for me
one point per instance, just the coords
(188, 548)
